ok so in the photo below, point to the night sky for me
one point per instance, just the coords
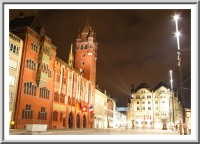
(134, 46)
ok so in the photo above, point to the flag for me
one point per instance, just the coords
(78, 106)
(84, 109)
(91, 109)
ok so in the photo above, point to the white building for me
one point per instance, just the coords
(100, 108)
(153, 107)
(15, 56)
(104, 109)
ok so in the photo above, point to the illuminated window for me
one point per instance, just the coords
(12, 63)
(11, 80)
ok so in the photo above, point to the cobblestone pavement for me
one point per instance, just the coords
(108, 131)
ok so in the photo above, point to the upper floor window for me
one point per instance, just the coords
(31, 64)
(143, 102)
(137, 97)
(137, 102)
(83, 55)
(14, 48)
(30, 88)
(12, 63)
(149, 96)
(138, 108)
(82, 63)
(34, 47)
(143, 96)
(44, 93)
(149, 102)
(156, 102)
(10, 96)
(11, 80)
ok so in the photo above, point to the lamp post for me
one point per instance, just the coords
(176, 17)
(172, 97)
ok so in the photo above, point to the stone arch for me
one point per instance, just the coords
(70, 120)
(78, 120)
(84, 121)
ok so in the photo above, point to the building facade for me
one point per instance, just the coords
(15, 54)
(51, 91)
(153, 107)
(100, 109)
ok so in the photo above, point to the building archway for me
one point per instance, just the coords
(77, 121)
(84, 121)
(70, 120)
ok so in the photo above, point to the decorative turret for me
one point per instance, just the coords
(71, 58)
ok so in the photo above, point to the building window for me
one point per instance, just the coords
(56, 97)
(49, 73)
(11, 80)
(61, 117)
(42, 115)
(14, 48)
(31, 65)
(148, 96)
(138, 102)
(137, 97)
(10, 96)
(44, 93)
(55, 116)
(143, 102)
(62, 98)
(83, 55)
(149, 108)
(156, 102)
(138, 108)
(82, 63)
(27, 113)
(143, 108)
(149, 102)
(30, 88)
(143, 97)
(12, 63)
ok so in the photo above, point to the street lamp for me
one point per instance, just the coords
(176, 17)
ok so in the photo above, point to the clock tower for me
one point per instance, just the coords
(86, 53)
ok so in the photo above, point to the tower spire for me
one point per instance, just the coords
(71, 58)
(79, 35)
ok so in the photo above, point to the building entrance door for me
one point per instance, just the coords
(70, 120)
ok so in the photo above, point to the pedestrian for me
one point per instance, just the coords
(176, 127)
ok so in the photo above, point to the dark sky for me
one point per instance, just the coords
(134, 46)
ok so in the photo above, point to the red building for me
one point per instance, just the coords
(51, 91)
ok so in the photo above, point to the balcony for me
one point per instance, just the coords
(43, 57)
(41, 78)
